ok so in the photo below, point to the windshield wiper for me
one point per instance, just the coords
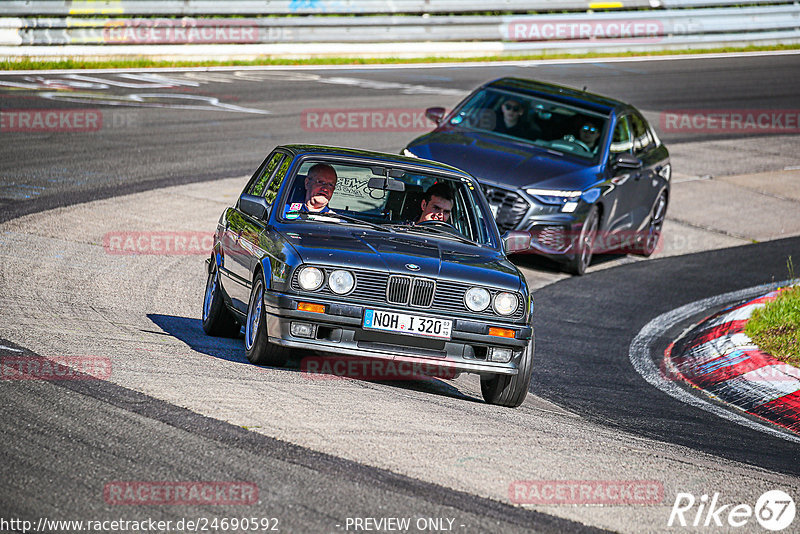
(333, 216)
(435, 230)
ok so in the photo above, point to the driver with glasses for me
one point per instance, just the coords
(589, 134)
(319, 187)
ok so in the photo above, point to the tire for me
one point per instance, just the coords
(217, 318)
(510, 390)
(257, 347)
(583, 248)
(651, 237)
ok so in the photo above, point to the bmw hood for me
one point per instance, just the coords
(407, 253)
(500, 161)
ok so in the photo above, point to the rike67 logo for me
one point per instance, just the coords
(774, 510)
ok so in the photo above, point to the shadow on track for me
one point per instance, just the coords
(190, 331)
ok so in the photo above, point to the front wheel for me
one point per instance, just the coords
(585, 244)
(651, 236)
(256, 339)
(510, 390)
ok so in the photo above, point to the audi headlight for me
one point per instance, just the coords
(310, 278)
(553, 196)
(477, 299)
(505, 303)
(341, 282)
(568, 200)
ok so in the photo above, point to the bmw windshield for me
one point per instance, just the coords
(388, 198)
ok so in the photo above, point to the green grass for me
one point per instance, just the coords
(142, 62)
(775, 328)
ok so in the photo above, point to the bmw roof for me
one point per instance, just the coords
(325, 150)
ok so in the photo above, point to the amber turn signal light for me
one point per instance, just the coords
(309, 307)
(501, 332)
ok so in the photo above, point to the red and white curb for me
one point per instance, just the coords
(724, 362)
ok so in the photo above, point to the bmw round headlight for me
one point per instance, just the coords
(505, 303)
(341, 282)
(477, 299)
(310, 278)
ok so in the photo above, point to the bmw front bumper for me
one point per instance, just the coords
(339, 331)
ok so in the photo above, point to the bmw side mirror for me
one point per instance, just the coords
(626, 160)
(435, 114)
(254, 206)
(516, 241)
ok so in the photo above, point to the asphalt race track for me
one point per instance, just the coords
(168, 151)
(149, 139)
(593, 317)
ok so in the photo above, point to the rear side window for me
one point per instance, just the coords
(260, 184)
(621, 141)
(642, 141)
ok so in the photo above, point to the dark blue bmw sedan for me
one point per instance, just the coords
(582, 173)
(374, 256)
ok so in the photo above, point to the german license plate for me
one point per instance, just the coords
(408, 324)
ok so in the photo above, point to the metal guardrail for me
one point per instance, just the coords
(122, 32)
(65, 8)
(640, 27)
